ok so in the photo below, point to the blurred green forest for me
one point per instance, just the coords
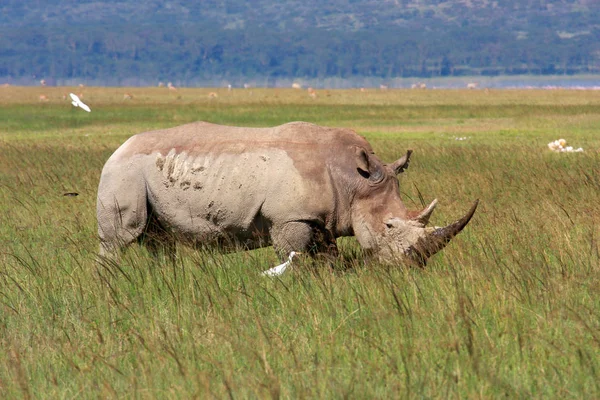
(190, 41)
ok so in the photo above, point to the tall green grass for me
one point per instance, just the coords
(511, 308)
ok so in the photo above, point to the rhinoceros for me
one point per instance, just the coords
(296, 186)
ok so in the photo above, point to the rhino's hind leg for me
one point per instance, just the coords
(157, 239)
(122, 217)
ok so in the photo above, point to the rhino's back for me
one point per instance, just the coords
(203, 137)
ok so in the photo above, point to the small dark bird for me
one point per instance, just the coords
(71, 194)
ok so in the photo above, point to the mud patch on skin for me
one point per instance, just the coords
(217, 172)
(160, 162)
(180, 168)
(185, 185)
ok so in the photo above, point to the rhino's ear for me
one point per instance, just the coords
(362, 160)
(366, 167)
(402, 164)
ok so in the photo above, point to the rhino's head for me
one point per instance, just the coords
(413, 241)
(383, 225)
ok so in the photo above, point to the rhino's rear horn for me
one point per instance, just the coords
(438, 238)
(423, 216)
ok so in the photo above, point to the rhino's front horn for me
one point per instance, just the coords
(437, 238)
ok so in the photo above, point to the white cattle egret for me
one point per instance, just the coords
(280, 269)
(78, 103)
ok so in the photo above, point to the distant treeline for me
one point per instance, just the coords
(202, 52)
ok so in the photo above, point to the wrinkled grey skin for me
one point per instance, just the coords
(297, 187)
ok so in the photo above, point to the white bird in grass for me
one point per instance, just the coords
(280, 269)
(560, 146)
(78, 103)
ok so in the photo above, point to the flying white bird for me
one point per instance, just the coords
(280, 269)
(78, 103)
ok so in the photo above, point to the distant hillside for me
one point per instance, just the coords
(190, 41)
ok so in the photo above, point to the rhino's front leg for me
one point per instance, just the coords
(302, 236)
(291, 236)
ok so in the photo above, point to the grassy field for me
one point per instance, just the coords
(511, 308)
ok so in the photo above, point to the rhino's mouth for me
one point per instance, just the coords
(435, 239)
